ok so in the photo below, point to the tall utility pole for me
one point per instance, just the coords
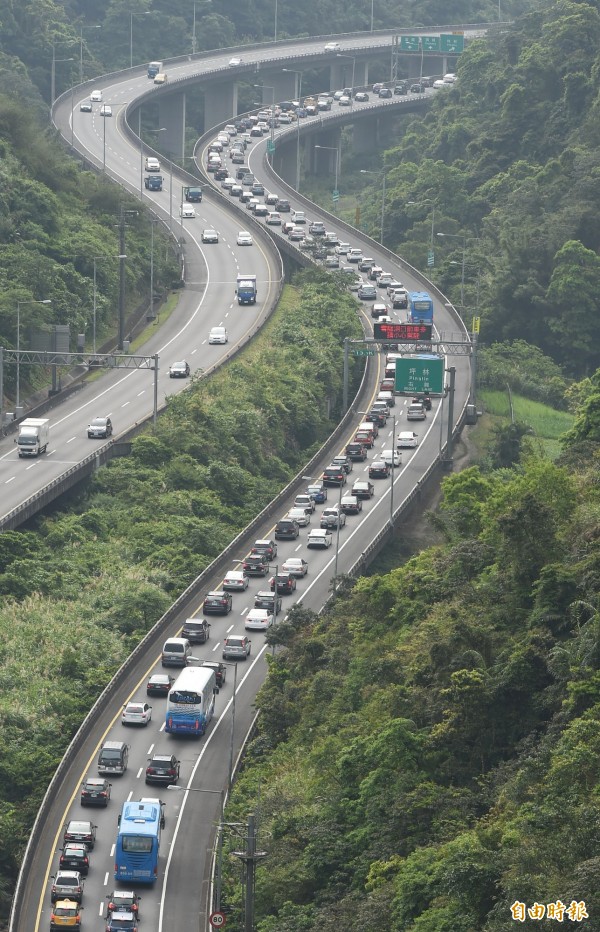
(121, 280)
(249, 857)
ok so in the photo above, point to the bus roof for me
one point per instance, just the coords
(194, 679)
(141, 818)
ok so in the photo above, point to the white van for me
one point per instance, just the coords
(176, 652)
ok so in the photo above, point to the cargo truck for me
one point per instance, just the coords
(153, 182)
(193, 195)
(34, 435)
(154, 68)
(246, 289)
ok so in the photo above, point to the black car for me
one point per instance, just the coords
(378, 417)
(286, 583)
(162, 769)
(424, 398)
(196, 630)
(265, 546)
(256, 564)
(159, 684)
(221, 174)
(417, 89)
(356, 452)
(334, 475)
(81, 832)
(385, 93)
(268, 600)
(286, 529)
(283, 206)
(220, 671)
(379, 470)
(74, 857)
(217, 603)
(401, 88)
(95, 791)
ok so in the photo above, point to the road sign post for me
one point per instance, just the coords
(217, 920)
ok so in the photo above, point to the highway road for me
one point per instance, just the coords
(179, 897)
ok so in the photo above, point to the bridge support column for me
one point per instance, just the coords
(340, 73)
(365, 134)
(171, 115)
(220, 103)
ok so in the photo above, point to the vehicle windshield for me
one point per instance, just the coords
(111, 755)
(65, 910)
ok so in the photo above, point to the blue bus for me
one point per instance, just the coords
(420, 307)
(191, 702)
(138, 841)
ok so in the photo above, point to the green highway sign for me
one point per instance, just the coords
(335, 196)
(420, 374)
(409, 43)
(453, 43)
(431, 43)
(364, 352)
(270, 146)
(430, 259)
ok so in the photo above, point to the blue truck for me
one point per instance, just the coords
(246, 289)
(192, 195)
(153, 182)
(154, 68)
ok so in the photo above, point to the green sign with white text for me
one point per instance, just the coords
(452, 43)
(420, 374)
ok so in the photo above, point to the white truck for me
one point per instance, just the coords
(34, 436)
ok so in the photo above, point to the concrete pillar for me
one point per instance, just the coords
(171, 115)
(365, 134)
(220, 103)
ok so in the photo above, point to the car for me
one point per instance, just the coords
(342, 249)
(298, 217)
(261, 210)
(268, 599)
(356, 451)
(321, 538)
(296, 234)
(305, 501)
(100, 427)
(75, 857)
(283, 205)
(248, 179)
(332, 262)
(256, 564)
(256, 131)
(385, 93)
(285, 583)
(334, 475)
(381, 405)
(179, 370)
(271, 198)
(377, 87)
(354, 255)
(355, 283)
(258, 619)
(363, 489)
(236, 647)
(266, 546)
(317, 492)
(407, 439)
(244, 238)
(187, 211)
(227, 183)
(210, 236)
(95, 791)
(219, 669)
(105, 110)
(343, 460)
(251, 203)
(423, 398)
(379, 469)
(345, 100)
(273, 218)
(136, 713)
(65, 914)
(391, 457)
(401, 88)
(217, 335)
(218, 602)
(361, 97)
(416, 412)
(399, 298)
(374, 272)
(300, 515)
(96, 96)
(235, 581)
(234, 62)
(393, 286)
(417, 89)
(332, 47)
(162, 769)
(123, 901)
(85, 106)
(379, 309)
(287, 529)
(316, 228)
(388, 397)
(257, 189)
(366, 264)
(67, 885)
(384, 279)
(378, 417)
(449, 78)
(295, 567)
(121, 922)
(196, 630)
(159, 684)
(439, 82)
(350, 504)
(332, 517)
(367, 292)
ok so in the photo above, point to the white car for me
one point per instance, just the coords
(354, 255)
(96, 96)
(392, 457)
(244, 238)
(344, 101)
(440, 83)
(105, 110)
(210, 236)
(234, 62)
(235, 581)
(295, 566)
(319, 538)
(300, 515)
(217, 335)
(258, 619)
(449, 78)
(136, 713)
(407, 438)
(342, 249)
(273, 219)
(332, 47)
(303, 500)
(187, 211)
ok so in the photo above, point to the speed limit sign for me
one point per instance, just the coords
(217, 920)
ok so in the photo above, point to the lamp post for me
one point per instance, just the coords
(427, 200)
(275, 28)
(352, 57)
(194, 45)
(81, 49)
(96, 258)
(383, 174)
(272, 89)
(19, 303)
(335, 149)
(131, 15)
(299, 89)
(372, 6)
(464, 253)
(55, 61)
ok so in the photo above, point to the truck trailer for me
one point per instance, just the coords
(34, 435)
(246, 289)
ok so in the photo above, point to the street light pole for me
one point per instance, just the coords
(372, 5)
(464, 254)
(131, 15)
(272, 89)
(96, 258)
(341, 55)
(299, 89)
(335, 149)
(55, 61)
(275, 30)
(81, 49)
(19, 303)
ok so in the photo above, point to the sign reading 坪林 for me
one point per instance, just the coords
(420, 374)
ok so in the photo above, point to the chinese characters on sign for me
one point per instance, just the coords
(557, 911)
(416, 332)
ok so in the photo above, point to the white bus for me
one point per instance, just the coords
(191, 702)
